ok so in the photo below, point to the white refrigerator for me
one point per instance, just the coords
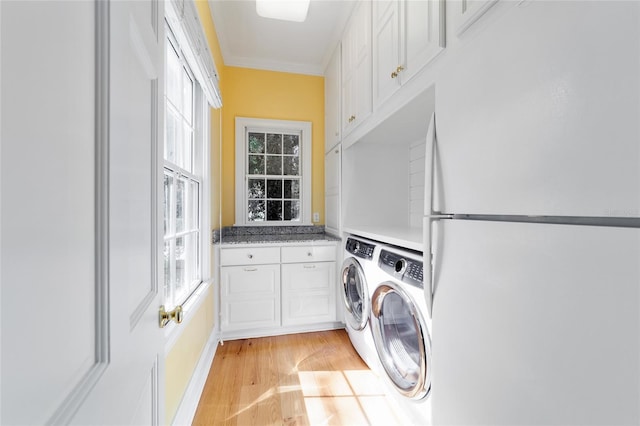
(532, 219)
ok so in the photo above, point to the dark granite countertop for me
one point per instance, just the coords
(272, 234)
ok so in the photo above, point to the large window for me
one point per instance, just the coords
(273, 172)
(184, 172)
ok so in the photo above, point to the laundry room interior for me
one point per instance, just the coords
(320, 212)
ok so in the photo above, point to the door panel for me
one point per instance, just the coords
(135, 147)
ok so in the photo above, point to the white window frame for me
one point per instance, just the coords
(243, 126)
(201, 169)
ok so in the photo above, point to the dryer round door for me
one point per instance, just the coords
(402, 340)
(355, 294)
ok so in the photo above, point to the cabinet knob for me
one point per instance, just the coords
(250, 256)
(309, 254)
(400, 68)
(394, 74)
(337, 151)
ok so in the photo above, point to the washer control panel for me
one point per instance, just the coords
(409, 271)
(359, 248)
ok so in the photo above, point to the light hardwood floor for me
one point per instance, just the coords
(299, 379)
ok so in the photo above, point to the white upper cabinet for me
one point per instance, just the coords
(356, 68)
(408, 34)
(332, 110)
(387, 53)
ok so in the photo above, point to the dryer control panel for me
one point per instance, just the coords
(407, 270)
(359, 248)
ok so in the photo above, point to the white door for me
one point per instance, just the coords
(80, 127)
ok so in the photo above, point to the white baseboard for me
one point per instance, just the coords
(189, 404)
(278, 331)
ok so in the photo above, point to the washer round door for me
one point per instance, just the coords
(355, 294)
(402, 340)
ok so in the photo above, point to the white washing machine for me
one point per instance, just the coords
(357, 266)
(401, 330)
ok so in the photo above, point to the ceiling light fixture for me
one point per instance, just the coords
(286, 10)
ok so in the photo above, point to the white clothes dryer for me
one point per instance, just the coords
(401, 330)
(356, 294)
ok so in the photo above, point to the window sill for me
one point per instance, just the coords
(173, 331)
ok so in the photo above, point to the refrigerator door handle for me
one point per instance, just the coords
(428, 255)
(429, 166)
(427, 265)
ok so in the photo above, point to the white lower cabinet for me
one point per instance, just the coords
(296, 288)
(308, 293)
(250, 297)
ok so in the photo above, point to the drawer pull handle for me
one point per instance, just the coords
(250, 256)
(309, 266)
(250, 269)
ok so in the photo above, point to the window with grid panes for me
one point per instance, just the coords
(182, 178)
(273, 162)
(273, 178)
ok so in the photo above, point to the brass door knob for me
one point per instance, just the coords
(165, 317)
(394, 74)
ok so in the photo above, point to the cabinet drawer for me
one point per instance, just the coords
(250, 282)
(250, 296)
(249, 256)
(308, 276)
(308, 254)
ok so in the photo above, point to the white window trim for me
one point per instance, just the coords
(242, 124)
(183, 18)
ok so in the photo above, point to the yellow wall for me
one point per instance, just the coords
(181, 361)
(274, 95)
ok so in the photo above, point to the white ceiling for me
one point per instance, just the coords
(250, 41)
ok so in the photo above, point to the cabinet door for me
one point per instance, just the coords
(422, 35)
(308, 293)
(332, 190)
(386, 49)
(250, 297)
(332, 111)
(362, 69)
(356, 68)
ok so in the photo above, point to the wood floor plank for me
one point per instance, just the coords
(302, 379)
